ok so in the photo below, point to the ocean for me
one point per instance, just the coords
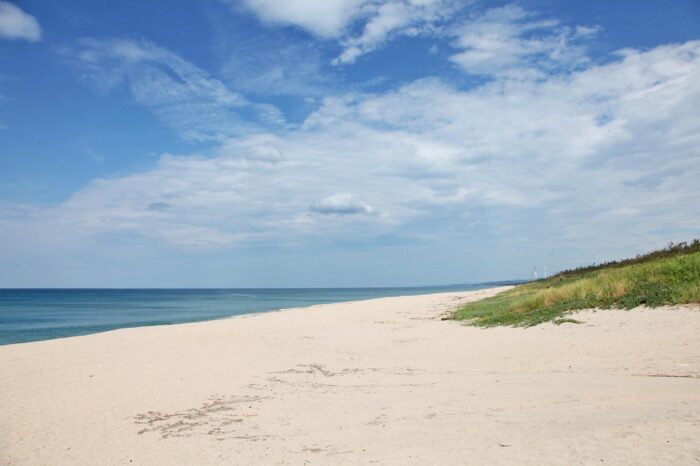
(42, 314)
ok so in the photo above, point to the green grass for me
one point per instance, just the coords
(669, 276)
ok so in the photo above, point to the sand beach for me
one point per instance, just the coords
(382, 381)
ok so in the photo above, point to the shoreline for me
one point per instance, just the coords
(381, 380)
(252, 314)
(234, 314)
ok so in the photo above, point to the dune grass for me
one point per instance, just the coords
(669, 276)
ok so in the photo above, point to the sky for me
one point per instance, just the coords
(342, 143)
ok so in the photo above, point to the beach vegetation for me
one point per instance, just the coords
(664, 277)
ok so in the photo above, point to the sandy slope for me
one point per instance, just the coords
(374, 382)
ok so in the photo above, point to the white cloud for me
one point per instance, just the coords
(609, 151)
(184, 96)
(412, 17)
(16, 24)
(378, 20)
(276, 67)
(510, 41)
(326, 18)
(507, 40)
(341, 204)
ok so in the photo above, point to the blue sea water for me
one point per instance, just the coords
(42, 314)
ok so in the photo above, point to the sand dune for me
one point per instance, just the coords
(383, 381)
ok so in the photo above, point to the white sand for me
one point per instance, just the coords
(370, 382)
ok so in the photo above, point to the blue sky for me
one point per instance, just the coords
(253, 143)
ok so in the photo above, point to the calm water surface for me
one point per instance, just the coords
(42, 314)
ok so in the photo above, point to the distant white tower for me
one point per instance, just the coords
(535, 272)
(545, 272)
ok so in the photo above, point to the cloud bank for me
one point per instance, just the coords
(550, 148)
(611, 148)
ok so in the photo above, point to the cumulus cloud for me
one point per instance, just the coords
(340, 204)
(196, 105)
(17, 24)
(510, 41)
(327, 18)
